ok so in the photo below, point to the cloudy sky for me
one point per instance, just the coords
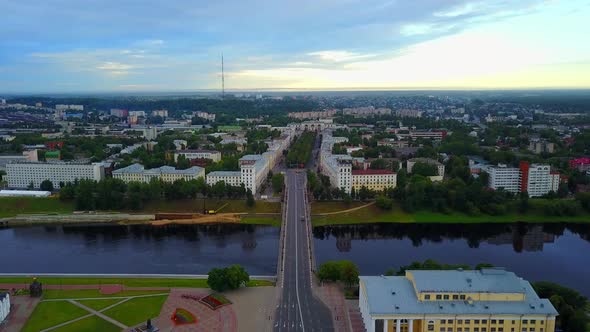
(143, 45)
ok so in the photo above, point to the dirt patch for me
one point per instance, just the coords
(201, 219)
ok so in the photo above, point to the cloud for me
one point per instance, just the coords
(339, 56)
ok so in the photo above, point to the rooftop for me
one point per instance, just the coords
(396, 295)
(138, 168)
(371, 172)
(225, 173)
(473, 281)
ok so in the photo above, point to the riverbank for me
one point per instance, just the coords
(26, 211)
(339, 213)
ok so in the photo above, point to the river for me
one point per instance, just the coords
(553, 252)
(186, 249)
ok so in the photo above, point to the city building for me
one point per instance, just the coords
(537, 179)
(337, 167)
(23, 174)
(373, 179)
(4, 306)
(487, 300)
(440, 168)
(313, 115)
(62, 107)
(214, 156)
(233, 178)
(429, 134)
(204, 115)
(180, 144)
(162, 113)
(120, 113)
(408, 113)
(581, 164)
(541, 146)
(137, 173)
(503, 177)
(366, 111)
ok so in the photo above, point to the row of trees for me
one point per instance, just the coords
(228, 278)
(344, 270)
(300, 151)
(114, 194)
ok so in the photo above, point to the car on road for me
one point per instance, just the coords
(302, 218)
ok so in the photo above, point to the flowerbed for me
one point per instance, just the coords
(215, 301)
(183, 317)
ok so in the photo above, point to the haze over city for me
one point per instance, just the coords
(73, 46)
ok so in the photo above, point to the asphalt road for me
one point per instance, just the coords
(298, 309)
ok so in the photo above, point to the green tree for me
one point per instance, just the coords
(349, 273)
(250, 198)
(46, 185)
(278, 182)
(424, 169)
(384, 202)
(329, 271)
(217, 280)
(236, 276)
(182, 162)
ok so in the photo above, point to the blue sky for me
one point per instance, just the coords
(75, 46)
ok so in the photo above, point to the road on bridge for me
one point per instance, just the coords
(298, 309)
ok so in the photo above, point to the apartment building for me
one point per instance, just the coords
(161, 113)
(337, 167)
(487, 300)
(373, 179)
(313, 115)
(537, 179)
(541, 146)
(137, 173)
(503, 177)
(214, 156)
(233, 178)
(22, 174)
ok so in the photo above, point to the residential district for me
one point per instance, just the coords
(456, 156)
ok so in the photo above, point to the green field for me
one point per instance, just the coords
(11, 206)
(373, 214)
(256, 220)
(99, 304)
(129, 282)
(48, 314)
(91, 293)
(137, 310)
(92, 323)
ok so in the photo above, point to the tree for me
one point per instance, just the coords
(236, 276)
(278, 182)
(384, 203)
(46, 185)
(31, 185)
(182, 162)
(217, 280)
(349, 273)
(424, 169)
(250, 198)
(329, 271)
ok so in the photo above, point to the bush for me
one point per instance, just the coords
(384, 202)
(345, 271)
(228, 278)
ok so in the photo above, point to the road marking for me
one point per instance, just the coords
(296, 264)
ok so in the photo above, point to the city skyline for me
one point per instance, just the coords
(309, 45)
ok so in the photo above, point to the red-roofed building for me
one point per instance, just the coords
(54, 145)
(373, 179)
(581, 164)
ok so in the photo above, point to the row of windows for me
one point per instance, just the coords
(485, 321)
(483, 329)
(446, 297)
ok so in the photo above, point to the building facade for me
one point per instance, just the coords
(504, 177)
(4, 306)
(214, 156)
(137, 173)
(487, 300)
(22, 174)
(373, 179)
(233, 178)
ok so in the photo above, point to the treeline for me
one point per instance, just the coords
(114, 194)
(300, 152)
(570, 304)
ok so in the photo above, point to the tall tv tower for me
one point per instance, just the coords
(222, 79)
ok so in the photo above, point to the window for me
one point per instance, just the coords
(501, 321)
(450, 321)
(476, 329)
(493, 329)
(427, 297)
(476, 321)
(442, 321)
(484, 329)
(462, 297)
(484, 321)
(459, 329)
(533, 321)
(439, 297)
(466, 329)
(467, 321)
(446, 297)
(500, 329)
(455, 297)
(524, 321)
(532, 329)
(459, 321)
(449, 329)
(513, 322)
(430, 327)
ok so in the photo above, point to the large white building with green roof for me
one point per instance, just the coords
(487, 300)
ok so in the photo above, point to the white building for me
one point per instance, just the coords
(501, 176)
(337, 167)
(233, 178)
(440, 168)
(373, 179)
(62, 107)
(205, 115)
(137, 173)
(24, 193)
(215, 156)
(4, 306)
(540, 180)
(22, 174)
(180, 144)
(162, 113)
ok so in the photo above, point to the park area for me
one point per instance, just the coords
(126, 304)
(340, 213)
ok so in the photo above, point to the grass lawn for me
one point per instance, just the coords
(130, 282)
(137, 310)
(48, 314)
(92, 323)
(11, 206)
(373, 214)
(90, 293)
(255, 220)
(196, 206)
(99, 304)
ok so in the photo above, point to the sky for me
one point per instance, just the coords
(176, 45)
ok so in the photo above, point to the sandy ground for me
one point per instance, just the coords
(203, 219)
(254, 307)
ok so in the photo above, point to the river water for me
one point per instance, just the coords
(553, 252)
(186, 249)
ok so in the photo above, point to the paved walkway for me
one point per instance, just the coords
(333, 296)
(356, 320)
(103, 288)
(96, 313)
(22, 308)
